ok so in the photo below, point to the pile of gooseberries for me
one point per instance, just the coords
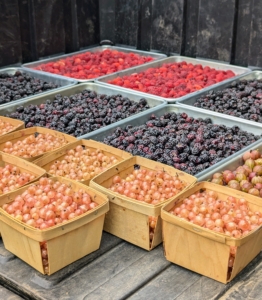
(149, 186)
(34, 145)
(5, 127)
(82, 163)
(11, 178)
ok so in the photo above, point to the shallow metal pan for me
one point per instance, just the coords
(32, 65)
(100, 89)
(174, 59)
(56, 79)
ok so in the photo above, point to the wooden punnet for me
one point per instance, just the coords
(129, 218)
(205, 251)
(22, 134)
(47, 160)
(23, 165)
(66, 242)
(18, 124)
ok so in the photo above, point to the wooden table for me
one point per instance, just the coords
(119, 270)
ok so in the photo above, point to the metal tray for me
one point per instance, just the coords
(235, 161)
(100, 89)
(155, 56)
(192, 100)
(56, 79)
(174, 59)
(144, 117)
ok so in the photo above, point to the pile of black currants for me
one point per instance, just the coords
(186, 143)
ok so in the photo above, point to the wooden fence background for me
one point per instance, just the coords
(223, 30)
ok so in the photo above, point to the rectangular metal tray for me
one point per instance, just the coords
(155, 56)
(191, 100)
(144, 117)
(63, 82)
(175, 59)
(235, 161)
(99, 89)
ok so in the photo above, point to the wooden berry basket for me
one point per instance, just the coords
(83, 233)
(205, 251)
(47, 160)
(22, 134)
(129, 218)
(18, 124)
(22, 164)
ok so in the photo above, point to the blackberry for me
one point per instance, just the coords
(192, 158)
(191, 136)
(180, 147)
(163, 139)
(186, 149)
(196, 149)
(204, 158)
(183, 167)
(206, 165)
(158, 152)
(183, 157)
(199, 168)
(145, 142)
(153, 140)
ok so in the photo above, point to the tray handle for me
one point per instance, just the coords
(106, 42)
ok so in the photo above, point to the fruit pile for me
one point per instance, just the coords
(82, 164)
(80, 113)
(90, 65)
(247, 177)
(5, 127)
(21, 85)
(173, 80)
(241, 99)
(149, 186)
(232, 217)
(34, 145)
(11, 178)
(186, 143)
(48, 203)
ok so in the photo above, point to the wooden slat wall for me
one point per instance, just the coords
(223, 30)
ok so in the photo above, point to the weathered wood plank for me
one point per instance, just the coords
(167, 285)
(189, 47)
(10, 46)
(167, 26)
(107, 15)
(126, 22)
(71, 26)
(144, 25)
(27, 31)
(215, 29)
(132, 277)
(88, 22)
(8, 295)
(49, 27)
(240, 49)
(255, 50)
